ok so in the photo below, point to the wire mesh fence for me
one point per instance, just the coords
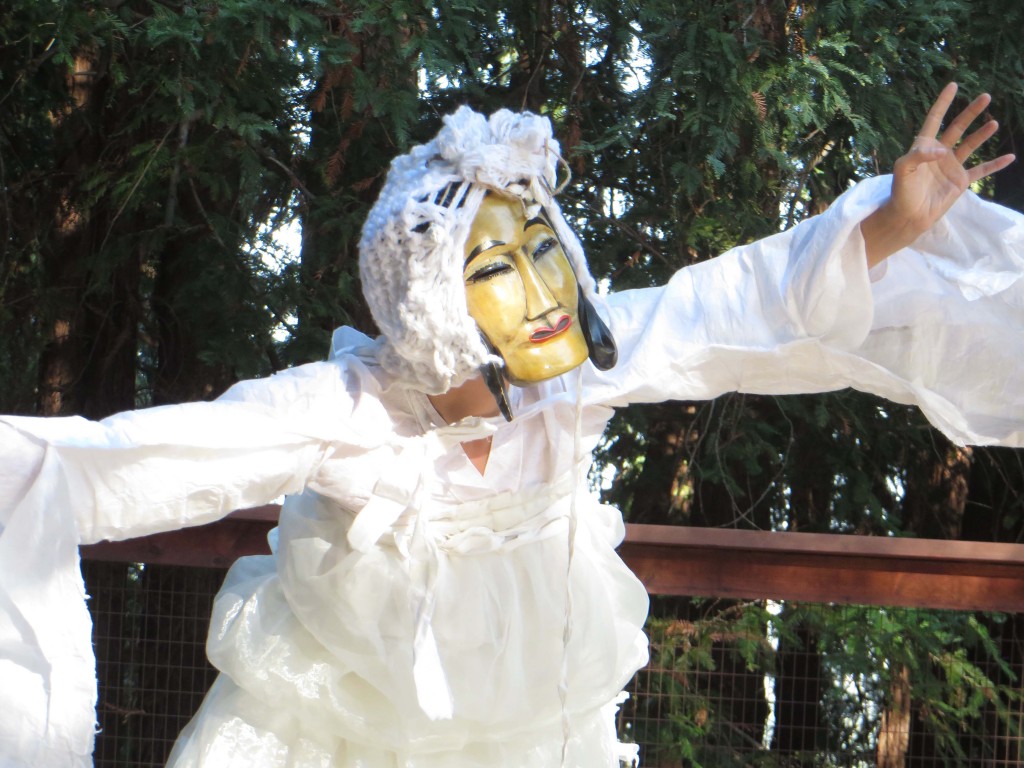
(729, 683)
(150, 625)
(816, 685)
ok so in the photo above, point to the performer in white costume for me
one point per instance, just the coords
(444, 589)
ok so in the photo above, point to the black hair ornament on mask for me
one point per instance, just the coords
(600, 342)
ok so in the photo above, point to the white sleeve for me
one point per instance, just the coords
(939, 325)
(63, 480)
(145, 471)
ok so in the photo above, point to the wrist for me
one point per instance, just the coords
(886, 231)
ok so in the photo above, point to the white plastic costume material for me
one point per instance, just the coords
(316, 643)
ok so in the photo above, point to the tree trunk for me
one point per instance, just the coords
(66, 348)
(799, 731)
(800, 679)
(188, 311)
(894, 725)
(937, 491)
(656, 496)
(348, 156)
(933, 507)
(88, 365)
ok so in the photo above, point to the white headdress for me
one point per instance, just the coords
(411, 249)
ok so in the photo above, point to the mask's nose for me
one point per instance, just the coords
(539, 299)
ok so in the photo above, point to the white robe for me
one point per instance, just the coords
(414, 611)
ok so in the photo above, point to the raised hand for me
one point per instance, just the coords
(929, 178)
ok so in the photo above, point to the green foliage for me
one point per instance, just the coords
(954, 671)
(673, 710)
(952, 668)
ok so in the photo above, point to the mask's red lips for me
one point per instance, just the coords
(543, 334)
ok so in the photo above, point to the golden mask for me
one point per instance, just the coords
(522, 293)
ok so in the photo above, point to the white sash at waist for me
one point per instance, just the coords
(503, 521)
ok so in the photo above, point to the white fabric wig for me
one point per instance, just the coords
(411, 249)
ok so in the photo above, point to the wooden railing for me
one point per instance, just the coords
(709, 562)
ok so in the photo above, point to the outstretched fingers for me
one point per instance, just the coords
(974, 140)
(933, 120)
(934, 141)
(981, 170)
(959, 125)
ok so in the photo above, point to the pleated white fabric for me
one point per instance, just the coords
(413, 612)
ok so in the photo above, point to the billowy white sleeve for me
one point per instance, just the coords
(939, 325)
(68, 480)
(156, 469)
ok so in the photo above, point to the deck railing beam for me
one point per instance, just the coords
(808, 567)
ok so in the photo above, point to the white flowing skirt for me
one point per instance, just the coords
(315, 645)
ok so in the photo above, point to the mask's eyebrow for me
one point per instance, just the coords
(535, 221)
(486, 245)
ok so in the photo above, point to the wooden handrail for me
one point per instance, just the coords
(832, 568)
(711, 562)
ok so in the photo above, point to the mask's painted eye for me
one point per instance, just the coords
(489, 271)
(546, 246)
